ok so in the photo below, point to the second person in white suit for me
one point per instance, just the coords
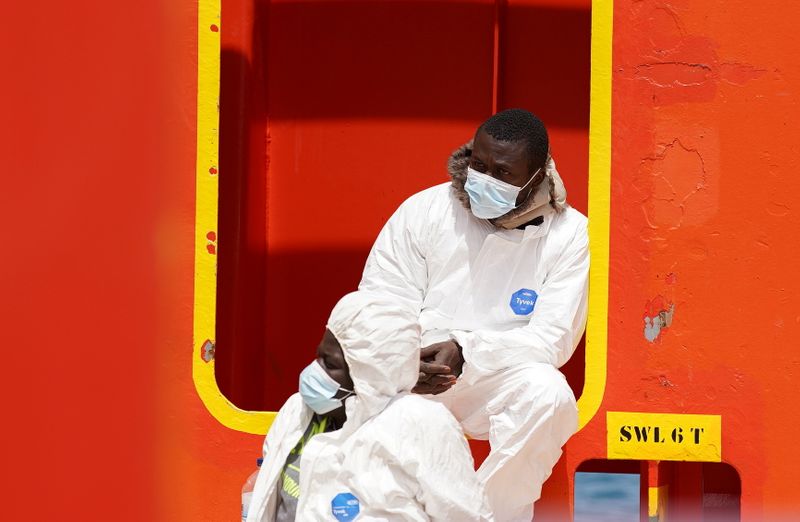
(355, 443)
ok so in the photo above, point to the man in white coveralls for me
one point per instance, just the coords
(496, 262)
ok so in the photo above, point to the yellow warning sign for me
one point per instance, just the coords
(664, 436)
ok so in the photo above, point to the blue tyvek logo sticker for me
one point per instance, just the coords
(345, 506)
(523, 301)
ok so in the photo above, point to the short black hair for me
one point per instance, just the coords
(520, 125)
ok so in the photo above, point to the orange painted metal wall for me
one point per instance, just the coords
(102, 420)
(704, 154)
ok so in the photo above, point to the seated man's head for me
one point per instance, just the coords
(505, 174)
(370, 349)
(511, 146)
(326, 382)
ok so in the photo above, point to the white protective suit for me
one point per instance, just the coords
(400, 455)
(515, 301)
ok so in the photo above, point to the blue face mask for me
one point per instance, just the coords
(489, 197)
(318, 389)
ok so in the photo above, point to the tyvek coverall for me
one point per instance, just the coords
(515, 301)
(401, 456)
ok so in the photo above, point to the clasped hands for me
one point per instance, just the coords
(440, 365)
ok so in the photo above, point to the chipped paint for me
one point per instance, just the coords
(674, 186)
(658, 317)
(674, 74)
(686, 74)
(207, 350)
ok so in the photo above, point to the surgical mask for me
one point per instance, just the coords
(318, 389)
(489, 197)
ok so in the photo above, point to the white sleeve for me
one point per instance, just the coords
(258, 500)
(281, 425)
(558, 321)
(396, 265)
(448, 485)
(279, 430)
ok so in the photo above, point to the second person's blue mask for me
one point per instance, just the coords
(318, 389)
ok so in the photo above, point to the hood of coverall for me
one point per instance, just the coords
(552, 191)
(381, 341)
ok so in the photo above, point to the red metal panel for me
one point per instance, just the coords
(365, 102)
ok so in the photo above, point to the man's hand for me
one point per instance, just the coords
(440, 365)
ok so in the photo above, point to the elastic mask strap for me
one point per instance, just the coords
(526, 184)
(534, 175)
